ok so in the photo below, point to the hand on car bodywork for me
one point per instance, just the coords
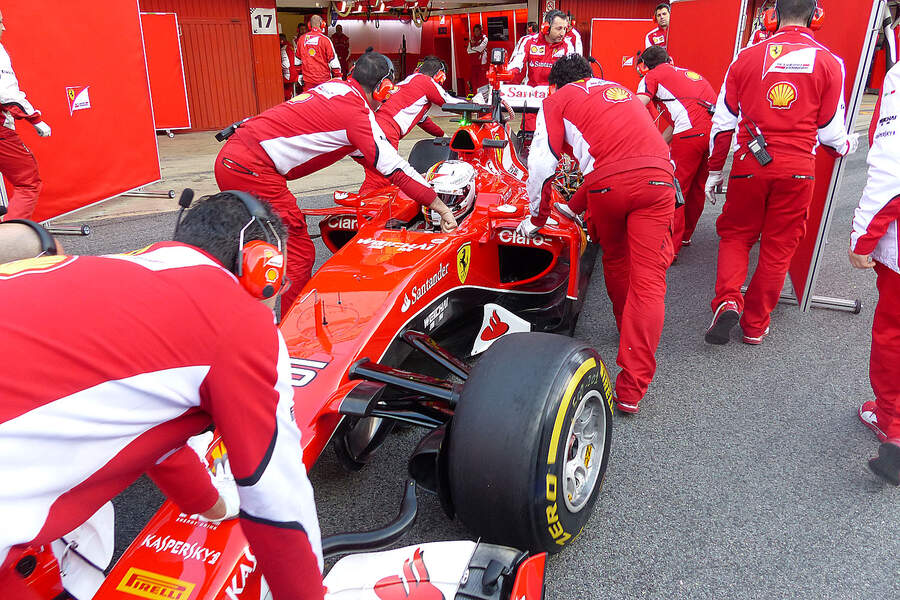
(527, 227)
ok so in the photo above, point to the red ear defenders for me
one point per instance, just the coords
(386, 85)
(771, 20)
(545, 28)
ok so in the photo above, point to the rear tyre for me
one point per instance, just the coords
(530, 440)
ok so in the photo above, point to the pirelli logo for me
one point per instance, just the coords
(145, 584)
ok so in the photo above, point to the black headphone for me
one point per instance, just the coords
(48, 244)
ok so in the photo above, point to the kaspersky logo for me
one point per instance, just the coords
(154, 586)
(417, 292)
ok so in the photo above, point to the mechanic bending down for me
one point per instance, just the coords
(628, 180)
(875, 243)
(781, 118)
(407, 107)
(308, 133)
(101, 391)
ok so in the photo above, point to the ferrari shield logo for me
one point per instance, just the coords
(463, 259)
(775, 50)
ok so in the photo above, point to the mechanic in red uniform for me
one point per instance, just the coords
(288, 70)
(797, 105)
(573, 35)
(341, 44)
(532, 61)
(628, 179)
(17, 163)
(406, 108)
(530, 29)
(308, 133)
(875, 243)
(659, 36)
(100, 391)
(687, 99)
(477, 51)
(315, 56)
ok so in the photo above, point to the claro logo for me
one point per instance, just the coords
(417, 292)
(509, 236)
(154, 586)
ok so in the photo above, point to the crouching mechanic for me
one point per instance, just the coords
(308, 133)
(874, 243)
(406, 108)
(781, 119)
(628, 181)
(100, 391)
(687, 99)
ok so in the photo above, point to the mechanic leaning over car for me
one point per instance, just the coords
(531, 62)
(785, 96)
(308, 133)
(875, 243)
(628, 179)
(99, 391)
(407, 107)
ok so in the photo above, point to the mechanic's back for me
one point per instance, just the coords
(117, 360)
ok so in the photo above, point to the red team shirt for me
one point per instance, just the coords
(598, 130)
(408, 106)
(318, 128)
(657, 37)
(317, 59)
(174, 344)
(681, 92)
(532, 60)
(792, 88)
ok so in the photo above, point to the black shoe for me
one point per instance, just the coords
(726, 317)
(887, 464)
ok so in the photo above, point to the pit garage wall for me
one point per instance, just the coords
(230, 73)
(585, 10)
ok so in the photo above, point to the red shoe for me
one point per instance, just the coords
(755, 341)
(887, 464)
(725, 317)
(631, 409)
(867, 416)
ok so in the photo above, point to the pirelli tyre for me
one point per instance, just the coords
(529, 441)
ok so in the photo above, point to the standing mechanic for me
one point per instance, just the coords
(315, 56)
(477, 51)
(186, 344)
(308, 133)
(785, 96)
(407, 107)
(628, 179)
(687, 100)
(874, 243)
(532, 61)
(573, 35)
(341, 44)
(659, 36)
(17, 163)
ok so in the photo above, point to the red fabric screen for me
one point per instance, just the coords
(166, 71)
(97, 152)
(615, 44)
(702, 35)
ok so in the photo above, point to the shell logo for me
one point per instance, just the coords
(312, 51)
(617, 94)
(301, 97)
(782, 95)
(693, 75)
(271, 275)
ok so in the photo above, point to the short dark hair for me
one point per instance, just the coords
(795, 10)
(431, 66)
(478, 25)
(552, 14)
(570, 68)
(371, 68)
(664, 5)
(654, 56)
(531, 27)
(214, 225)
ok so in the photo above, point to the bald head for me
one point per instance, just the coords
(19, 241)
(315, 22)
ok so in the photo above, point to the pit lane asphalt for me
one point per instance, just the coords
(744, 475)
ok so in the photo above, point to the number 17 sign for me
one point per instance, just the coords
(262, 21)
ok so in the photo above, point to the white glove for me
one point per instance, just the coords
(223, 480)
(715, 179)
(527, 228)
(853, 140)
(42, 129)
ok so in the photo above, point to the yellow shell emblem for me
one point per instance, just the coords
(617, 94)
(301, 98)
(693, 76)
(782, 95)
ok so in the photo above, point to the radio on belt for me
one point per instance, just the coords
(758, 145)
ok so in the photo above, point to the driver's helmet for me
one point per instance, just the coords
(454, 183)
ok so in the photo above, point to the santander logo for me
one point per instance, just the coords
(495, 328)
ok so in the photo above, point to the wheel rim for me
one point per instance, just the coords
(584, 451)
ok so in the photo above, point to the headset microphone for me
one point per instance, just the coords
(187, 196)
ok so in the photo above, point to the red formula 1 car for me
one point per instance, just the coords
(455, 333)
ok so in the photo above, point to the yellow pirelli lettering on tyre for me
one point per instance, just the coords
(564, 406)
(607, 385)
(554, 527)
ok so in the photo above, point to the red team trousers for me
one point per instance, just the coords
(770, 206)
(886, 352)
(237, 168)
(634, 228)
(690, 152)
(17, 163)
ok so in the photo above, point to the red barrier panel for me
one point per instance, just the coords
(82, 65)
(165, 68)
(702, 36)
(614, 43)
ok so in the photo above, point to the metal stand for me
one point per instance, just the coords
(851, 306)
(149, 194)
(68, 229)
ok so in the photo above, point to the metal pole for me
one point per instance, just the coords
(150, 194)
(68, 229)
(851, 306)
